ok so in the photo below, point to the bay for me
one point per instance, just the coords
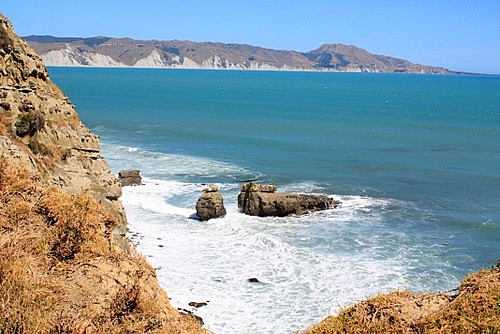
(413, 158)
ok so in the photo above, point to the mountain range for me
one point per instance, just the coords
(127, 52)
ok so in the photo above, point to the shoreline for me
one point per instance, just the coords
(457, 73)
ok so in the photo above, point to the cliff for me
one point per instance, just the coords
(65, 265)
(126, 52)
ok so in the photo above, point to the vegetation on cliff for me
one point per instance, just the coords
(59, 270)
(475, 308)
(65, 266)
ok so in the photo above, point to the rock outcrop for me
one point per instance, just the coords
(38, 119)
(264, 201)
(130, 177)
(65, 264)
(210, 204)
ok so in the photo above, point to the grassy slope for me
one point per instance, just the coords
(475, 309)
(60, 273)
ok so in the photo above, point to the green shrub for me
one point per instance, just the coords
(28, 123)
(38, 148)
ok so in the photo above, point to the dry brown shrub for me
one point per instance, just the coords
(27, 297)
(51, 245)
(76, 225)
(26, 294)
(476, 309)
(4, 126)
(132, 311)
(17, 194)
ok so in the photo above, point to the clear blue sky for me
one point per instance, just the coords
(461, 35)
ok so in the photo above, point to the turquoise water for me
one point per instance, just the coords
(413, 158)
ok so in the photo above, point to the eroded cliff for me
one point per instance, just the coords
(40, 127)
(65, 265)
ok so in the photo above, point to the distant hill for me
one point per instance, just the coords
(126, 52)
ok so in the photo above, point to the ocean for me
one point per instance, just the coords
(414, 160)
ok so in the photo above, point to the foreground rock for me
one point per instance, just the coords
(264, 201)
(210, 204)
(130, 177)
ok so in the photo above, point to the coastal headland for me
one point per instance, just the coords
(127, 52)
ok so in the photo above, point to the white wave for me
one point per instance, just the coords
(153, 196)
(303, 187)
(157, 164)
(307, 265)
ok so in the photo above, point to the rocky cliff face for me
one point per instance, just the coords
(65, 265)
(40, 127)
(126, 52)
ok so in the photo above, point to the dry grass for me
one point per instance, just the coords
(476, 309)
(59, 272)
(4, 125)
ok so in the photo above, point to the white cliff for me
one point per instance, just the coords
(154, 60)
(71, 57)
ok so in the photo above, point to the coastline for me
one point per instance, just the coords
(118, 52)
(131, 296)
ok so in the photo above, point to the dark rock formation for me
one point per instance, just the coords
(210, 204)
(130, 177)
(263, 201)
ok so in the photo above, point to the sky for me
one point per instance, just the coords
(461, 35)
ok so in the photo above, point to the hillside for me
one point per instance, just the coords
(474, 307)
(65, 266)
(126, 52)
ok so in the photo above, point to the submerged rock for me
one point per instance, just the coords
(210, 204)
(263, 201)
(198, 304)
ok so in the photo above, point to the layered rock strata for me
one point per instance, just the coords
(264, 201)
(40, 127)
(66, 265)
